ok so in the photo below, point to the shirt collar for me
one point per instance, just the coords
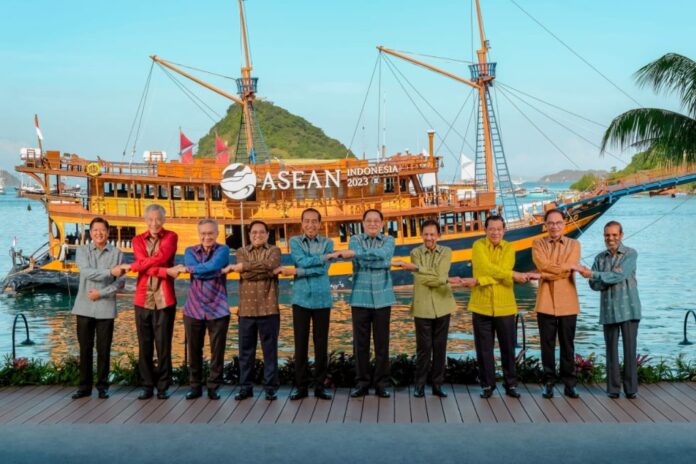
(562, 239)
(379, 236)
(307, 239)
(160, 234)
(107, 247)
(251, 247)
(198, 249)
(489, 244)
(438, 249)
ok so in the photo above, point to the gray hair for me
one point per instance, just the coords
(154, 207)
(205, 221)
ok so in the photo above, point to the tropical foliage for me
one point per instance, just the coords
(286, 135)
(658, 131)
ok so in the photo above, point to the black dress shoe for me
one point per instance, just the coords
(242, 395)
(419, 391)
(192, 394)
(613, 396)
(486, 392)
(271, 395)
(571, 392)
(322, 394)
(213, 394)
(103, 394)
(382, 392)
(437, 391)
(359, 392)
(548, 391)
(81, 394)
(145, 395)
(631, 396)
(162, 395)
(298, 394)
(512, 392)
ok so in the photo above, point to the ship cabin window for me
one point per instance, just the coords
(403, 185)
(299, 194)
(215, 192)
(176, 192)
(149, 191)
(389, 185)
(201, 193)
(280, 234)
(162, 192)
(138, 191)
(122, 191)
(189, 193)
(108, 189)
(393, 228)
(342, 233)
(127, 236)
(409, 228)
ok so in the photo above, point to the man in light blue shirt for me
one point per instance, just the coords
(311, 302)
(371, 302)
(614, 275)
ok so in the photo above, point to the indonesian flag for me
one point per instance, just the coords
(221, 155)
(38, 129)
(185, 148)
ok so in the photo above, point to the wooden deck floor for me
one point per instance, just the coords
(663, 402)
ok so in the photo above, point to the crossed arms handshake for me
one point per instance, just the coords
(287, 271)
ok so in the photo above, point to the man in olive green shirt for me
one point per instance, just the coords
(431, 307)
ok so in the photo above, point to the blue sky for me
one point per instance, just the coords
(82, 65)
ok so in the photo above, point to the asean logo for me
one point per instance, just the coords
(238, 181)
(93, 169)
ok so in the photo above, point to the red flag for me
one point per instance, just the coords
(185, 148)
(221, 155)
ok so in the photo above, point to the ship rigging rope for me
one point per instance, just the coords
(454, 121)
(555, 120)
(560, 150)
(443, 58)
(202, 70)
(362, 108)
(396, 70)
(576, 53)
(461, 149)
(193, 97)
(138, 119)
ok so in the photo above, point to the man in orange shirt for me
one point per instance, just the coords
(557, 306)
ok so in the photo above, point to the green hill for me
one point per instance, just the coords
(287, 135)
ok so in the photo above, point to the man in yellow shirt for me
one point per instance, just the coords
(494, 307)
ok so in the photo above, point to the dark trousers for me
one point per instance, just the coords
(629, 335)
(485, 330)
(155, 328)
(431, 341)
(87, 328)
(267, 329)
(319, 318)
(195, 338)
(366, 322)
(564, 326)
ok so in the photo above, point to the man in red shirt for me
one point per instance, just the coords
(155, 302)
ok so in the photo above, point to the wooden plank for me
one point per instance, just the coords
(419, 413)
(245, 406)
(226, 394)
(688, 402)
(612, 405)
(482, 407)
(81, 406)
(515, 408)
(603, 415)
(120, 403)
(354, 409)
(464, 404)
(668, 405)
(116, 394)
(18, 398)
(274, 409)
(339, 405)
(260, 407)
(500, 411)
(38, 395)
(433, 406)
(580, 409)
(171, 410)
(655, 408)
(143, 409)
(402, 406)
(385, 414)
(197, 406)
(370, 409)
(304, 414)
(58, 393)
(322, 410)
(289, 411)
(546, 406)
(227, 408)
(9, 394)
(683, 389)
(530, 406)
(449, 406)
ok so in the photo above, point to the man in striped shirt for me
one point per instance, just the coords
(206, 307)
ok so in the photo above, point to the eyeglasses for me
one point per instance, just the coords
(556, 224)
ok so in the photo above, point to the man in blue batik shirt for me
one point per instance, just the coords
(371, 302)
(311, 302)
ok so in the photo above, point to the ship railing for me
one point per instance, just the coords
(652, 175)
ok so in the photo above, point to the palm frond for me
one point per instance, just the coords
(674, 73)
(646, 128)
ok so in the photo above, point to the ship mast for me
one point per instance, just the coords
(482, 75)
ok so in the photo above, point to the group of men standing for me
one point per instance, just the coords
(492, 304)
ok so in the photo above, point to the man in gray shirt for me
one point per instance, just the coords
(95, 305)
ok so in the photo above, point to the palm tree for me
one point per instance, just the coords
(662, 131)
